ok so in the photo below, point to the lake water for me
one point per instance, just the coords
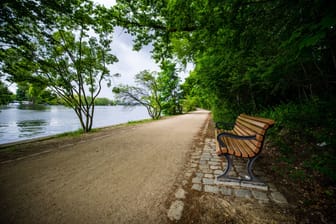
(21, 123)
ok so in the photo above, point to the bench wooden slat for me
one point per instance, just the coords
(250, 147)
(241, 132)
(251, 127)
(260, 119)
(228, 149)
(246, 152)
(258, 124)
(232, 145)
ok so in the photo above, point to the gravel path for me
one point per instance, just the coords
(124, 176)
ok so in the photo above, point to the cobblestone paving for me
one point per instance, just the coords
(205, 166)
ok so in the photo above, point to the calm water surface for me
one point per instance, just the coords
(21, 123)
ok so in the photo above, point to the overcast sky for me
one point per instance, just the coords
(130, 62)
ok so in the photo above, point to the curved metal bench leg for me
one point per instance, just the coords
(249, 167)
(228, 167)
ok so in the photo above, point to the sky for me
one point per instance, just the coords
(130, 62)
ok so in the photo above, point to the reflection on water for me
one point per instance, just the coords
(30, 128)
(33, 107)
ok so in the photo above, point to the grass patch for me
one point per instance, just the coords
(70, 134)
(139, 122)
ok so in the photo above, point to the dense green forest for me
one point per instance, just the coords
(272, 58)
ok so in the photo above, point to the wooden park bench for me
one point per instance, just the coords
(243, 139)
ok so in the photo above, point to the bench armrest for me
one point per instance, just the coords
(230, 135)
(224, 125)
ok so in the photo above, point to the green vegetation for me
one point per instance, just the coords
(5, 95)
(306, 139)
(76, 133)
(146, 93)
(158, 92)
(139, 122)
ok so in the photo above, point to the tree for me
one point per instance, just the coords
(104, 102)
(145, 93)
(72, 59)
(194, 95)
(5, 94)
(170, 91)
(35, 91)
(22, 91)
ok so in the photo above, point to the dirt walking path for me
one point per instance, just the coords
(121, 176)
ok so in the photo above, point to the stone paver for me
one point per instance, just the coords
(197, 187)
(196, 180)
(211, 189)
(262, 196)
(242, 193)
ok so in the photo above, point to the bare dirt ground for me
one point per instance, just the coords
(116, 175)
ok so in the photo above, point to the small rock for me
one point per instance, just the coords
(175, 210)
(180, 194)
(279, 198)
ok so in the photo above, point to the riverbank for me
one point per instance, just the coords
(30, 147)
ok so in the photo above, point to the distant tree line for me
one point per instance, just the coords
(26, 92)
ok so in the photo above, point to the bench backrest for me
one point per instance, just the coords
(246, 125)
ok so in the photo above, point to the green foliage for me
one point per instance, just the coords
(323, 163)
(76, 133)
(158, 92)
(189, 103)
(21, 19)
(305, 136)
(5, 94)
(35, 93)
(146, 93)
(194, 94)
(103, 102)
(22, 91)
(169, 88)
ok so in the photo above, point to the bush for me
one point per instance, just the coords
(304, 133)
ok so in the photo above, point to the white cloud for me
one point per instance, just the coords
(130, 62)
